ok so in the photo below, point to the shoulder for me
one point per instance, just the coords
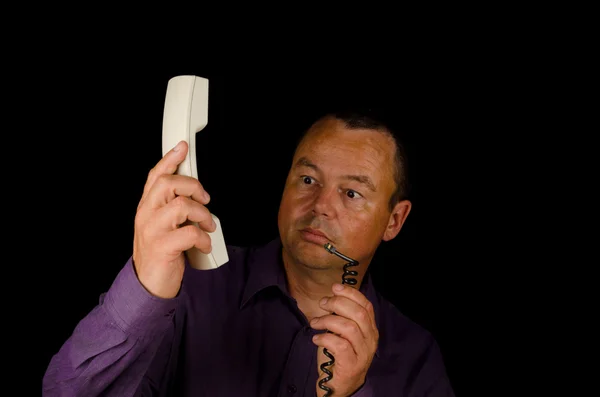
(231, 276)
(403, 339)
(411, 349)
(398, 332)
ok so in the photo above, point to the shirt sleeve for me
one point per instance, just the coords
(432, 379)
(112, 347)
(366, 390)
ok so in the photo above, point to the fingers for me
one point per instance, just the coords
(350, 303)
(162, 185)
(346, 331)
(168, 226)
(356, 296)
(181, 210)
(354, 319)
(350, 293)
(168, 187)
(341, 348)
(167, 165)
(185, 238)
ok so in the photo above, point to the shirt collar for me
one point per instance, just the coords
(265, 269)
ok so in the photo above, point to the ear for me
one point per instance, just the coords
(397, 218)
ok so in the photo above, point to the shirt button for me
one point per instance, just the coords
(292, 389)
(170, 313)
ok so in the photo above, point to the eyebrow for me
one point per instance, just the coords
(364, 179)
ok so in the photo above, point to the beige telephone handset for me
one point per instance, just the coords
(185, 114)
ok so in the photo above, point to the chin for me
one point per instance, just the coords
(310, 255)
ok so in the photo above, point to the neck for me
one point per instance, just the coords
(308, 285)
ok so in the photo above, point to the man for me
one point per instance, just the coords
(275, 320)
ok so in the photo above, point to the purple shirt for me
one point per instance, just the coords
(232, 331)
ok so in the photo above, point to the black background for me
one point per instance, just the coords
(102, 123)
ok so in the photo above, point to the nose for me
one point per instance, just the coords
(324, 203)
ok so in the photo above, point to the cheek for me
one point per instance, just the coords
(364, 230)
(354, 227)
(292, 206)
(296, 198)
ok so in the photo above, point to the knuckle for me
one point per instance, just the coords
(192, 233)
(197, 234)
(162, 179)
(362, 315)
(180, 202)
(333, 302)
(344, 346)
(204, 212)
(138, 222)
(352, 328)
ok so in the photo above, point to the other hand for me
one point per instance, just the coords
(353, 339)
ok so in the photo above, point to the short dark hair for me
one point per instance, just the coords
(374, 120)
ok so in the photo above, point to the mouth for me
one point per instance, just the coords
(314, 236)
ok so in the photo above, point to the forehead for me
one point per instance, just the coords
(330, 143)
(333, 135)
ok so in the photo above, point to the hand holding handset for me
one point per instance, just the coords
(185, 114)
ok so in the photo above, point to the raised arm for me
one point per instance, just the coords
(111, 349)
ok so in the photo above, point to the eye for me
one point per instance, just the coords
(352, 194)
(307, 179)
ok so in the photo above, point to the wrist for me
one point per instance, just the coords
(132, 307)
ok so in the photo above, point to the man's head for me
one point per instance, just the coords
(347, 181)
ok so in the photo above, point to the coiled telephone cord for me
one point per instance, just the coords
(347, 278)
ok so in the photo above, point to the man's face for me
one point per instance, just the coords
(340, 184)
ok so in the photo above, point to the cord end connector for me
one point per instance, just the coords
(330, 248)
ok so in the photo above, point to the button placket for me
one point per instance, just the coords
(298, 364)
